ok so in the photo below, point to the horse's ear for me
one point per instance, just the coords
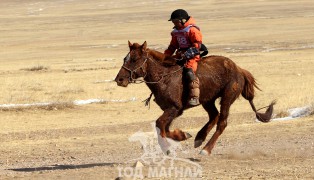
(130, 44)
(144, 45)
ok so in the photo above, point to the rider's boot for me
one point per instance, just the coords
(194, 92)
(194, 85)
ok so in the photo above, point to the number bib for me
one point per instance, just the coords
(182, 36)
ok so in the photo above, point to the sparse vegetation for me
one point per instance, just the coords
(49, 107)
(282, 114)
(36, 68)
(54, 51)
(312, 110)
(285, 113)
(87, 69)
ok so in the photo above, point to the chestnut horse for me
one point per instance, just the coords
(219, 77)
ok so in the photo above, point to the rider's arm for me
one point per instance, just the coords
(174, 45)
(195, 37)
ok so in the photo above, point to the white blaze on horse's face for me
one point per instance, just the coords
(127, 58)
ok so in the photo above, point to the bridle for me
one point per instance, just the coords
(131, 79)
(137, 81)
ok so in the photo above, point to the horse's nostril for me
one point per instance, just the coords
(120, 79)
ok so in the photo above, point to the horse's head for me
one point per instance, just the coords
(134, 65)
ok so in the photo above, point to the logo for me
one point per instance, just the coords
(160, 158)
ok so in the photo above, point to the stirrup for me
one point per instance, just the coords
(194, 101)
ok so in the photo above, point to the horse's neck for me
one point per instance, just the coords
(157, 74)
(154, 68)
(156, 71)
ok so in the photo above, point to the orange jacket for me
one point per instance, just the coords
(194, 36)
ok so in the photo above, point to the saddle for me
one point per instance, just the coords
(203, 51)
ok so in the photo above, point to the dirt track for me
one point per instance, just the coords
(83, 42)
(279, 150)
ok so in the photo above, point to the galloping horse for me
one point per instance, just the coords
(219, 77)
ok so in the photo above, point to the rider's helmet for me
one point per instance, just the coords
(179, 14)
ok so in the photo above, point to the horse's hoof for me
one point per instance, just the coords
(197, 143)
(204, 153)
(168, 152)
(187, 135)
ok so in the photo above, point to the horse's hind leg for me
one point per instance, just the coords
(221, 125)
(230, 95)
(213, 118)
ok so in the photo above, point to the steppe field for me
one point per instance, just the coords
(60, 51)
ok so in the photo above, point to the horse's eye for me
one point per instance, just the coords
(133, 58)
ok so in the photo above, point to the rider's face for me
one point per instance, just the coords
(177, 23)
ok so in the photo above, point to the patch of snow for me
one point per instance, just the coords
(104, 81)
(90, 101)
(23, 105)
(76, 102)
(296, 113)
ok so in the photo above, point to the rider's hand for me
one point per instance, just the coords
(183, 57)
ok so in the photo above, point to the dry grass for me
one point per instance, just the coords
(87, 69)
(36, 68)
(282, 114)
(311, 109)
(50, 107)
(76, 43)
(296, 98)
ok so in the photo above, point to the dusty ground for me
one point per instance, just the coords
(80, 43)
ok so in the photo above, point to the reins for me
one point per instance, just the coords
(138, 81)
(131, 80)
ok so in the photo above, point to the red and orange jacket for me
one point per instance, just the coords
(189, 36)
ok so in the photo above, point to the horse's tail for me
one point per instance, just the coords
(248, 93)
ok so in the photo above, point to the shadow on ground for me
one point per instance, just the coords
(62, 167)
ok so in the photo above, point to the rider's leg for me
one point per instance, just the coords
(191, 67)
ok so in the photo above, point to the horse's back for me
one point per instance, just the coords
(217, 73)
(215, 60)
(216, 64)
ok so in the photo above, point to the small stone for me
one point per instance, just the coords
(138, 164)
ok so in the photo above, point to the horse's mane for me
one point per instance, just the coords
(156, 55)
(160, 57)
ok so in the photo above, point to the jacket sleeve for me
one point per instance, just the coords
(195, 37)
(172, 47)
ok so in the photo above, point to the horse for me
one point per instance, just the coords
(219, 77)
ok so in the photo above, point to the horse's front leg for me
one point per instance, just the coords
(164, 121)
(163, 132)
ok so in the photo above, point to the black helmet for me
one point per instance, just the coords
(179, 14)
